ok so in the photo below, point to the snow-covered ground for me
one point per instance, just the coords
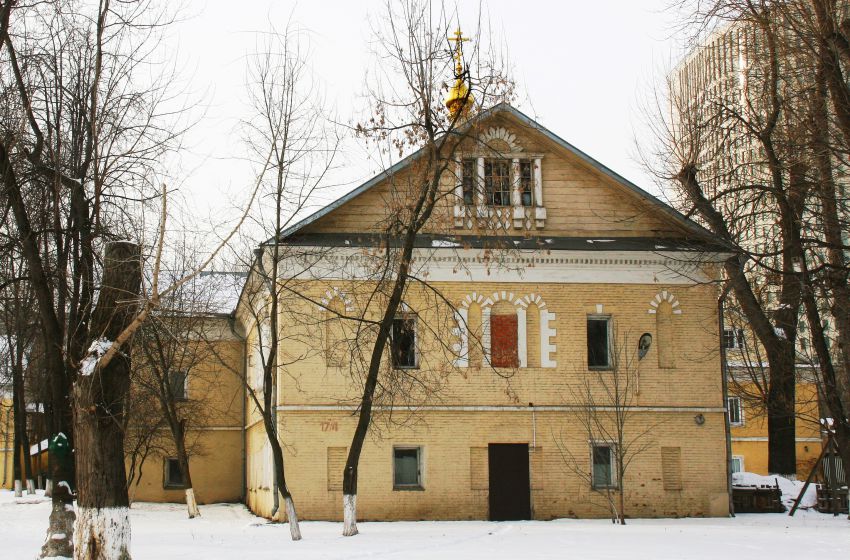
(229, 531)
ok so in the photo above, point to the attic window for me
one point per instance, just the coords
(486, 186)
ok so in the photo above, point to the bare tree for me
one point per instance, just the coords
(759, 155)
(753, 202)
(410, 114)
(83, 132)
(18, 332)
(174, 348)
(605, 413)
(294, 147)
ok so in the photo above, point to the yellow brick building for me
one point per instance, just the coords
(748, 422)
(214, 438)
(538, 267)
(7, 432)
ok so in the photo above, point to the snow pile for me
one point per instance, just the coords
(226, 531)
(790, 488)
(96, 351)
(444, 243)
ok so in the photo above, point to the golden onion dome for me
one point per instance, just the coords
(459, 100)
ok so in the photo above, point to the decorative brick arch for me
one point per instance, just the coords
(501, 134)
(521, 303)
(546, 331)
(664, 295)
(334, 293)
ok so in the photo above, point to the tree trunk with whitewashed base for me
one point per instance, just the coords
(192, 504)
(292, 517)
(179, 433)
(102, 530)
(349, 515)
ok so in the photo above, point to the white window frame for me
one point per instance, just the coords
(740, 459)
(514, 162)
(420, 482)
(739, 407)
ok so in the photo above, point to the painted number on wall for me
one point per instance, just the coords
(330, 426)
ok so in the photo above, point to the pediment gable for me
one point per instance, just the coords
(564, 192)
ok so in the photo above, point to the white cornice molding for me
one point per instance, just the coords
(480, 265)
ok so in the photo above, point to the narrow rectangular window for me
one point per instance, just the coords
(598, 354)
(503, 340)
(603, 466)
(407, 472)
(173, 476)
(178, 381)
(526, 182)
(733, 408)
(404, 342)
(497, 182)
(468, 181)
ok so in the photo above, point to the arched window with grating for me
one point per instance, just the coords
(476, 334)
(336, 341)
(664, 329)
(532, 319)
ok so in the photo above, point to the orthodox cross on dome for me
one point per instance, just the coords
(459, 98)
(459, 40)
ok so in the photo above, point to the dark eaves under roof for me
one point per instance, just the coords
(699, 233)
(543, 242)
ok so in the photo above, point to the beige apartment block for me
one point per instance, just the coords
(534, 299)
(215, 387)
(7, 443)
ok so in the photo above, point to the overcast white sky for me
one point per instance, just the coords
(583, 70)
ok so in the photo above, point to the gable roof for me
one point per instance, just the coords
(505, 108)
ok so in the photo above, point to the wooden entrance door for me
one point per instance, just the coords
(510, 488)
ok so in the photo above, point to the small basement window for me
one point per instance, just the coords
(404, 342)
(173, 476)
(598, 337)
(603, 475)
(407, 472)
